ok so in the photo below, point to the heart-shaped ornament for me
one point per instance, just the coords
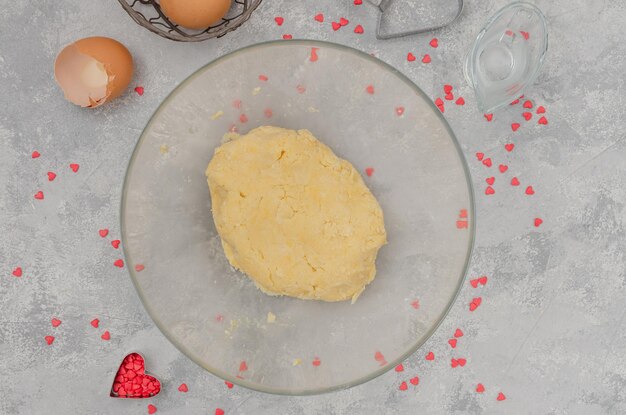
(132, 381)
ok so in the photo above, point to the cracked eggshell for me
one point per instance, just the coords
(93, 70)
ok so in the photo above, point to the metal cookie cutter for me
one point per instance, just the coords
(408, 17)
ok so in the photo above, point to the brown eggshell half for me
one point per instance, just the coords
(93, 70)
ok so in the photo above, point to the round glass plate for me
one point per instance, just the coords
(369, 114)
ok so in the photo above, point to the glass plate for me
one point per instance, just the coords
(369, 114)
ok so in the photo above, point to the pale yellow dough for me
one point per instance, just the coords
(293, 216)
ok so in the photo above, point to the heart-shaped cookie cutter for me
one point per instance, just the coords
(122, 370)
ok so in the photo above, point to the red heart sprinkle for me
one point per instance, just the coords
(503, 168)
(461, 224)
(458, 333)
(263, 78)
(439, 102)
(452, 343)
(358, 2)
(426, 58)
(55, 322)
(379, 357)
(115, 243)
(514, 181)
(139, 267)
(483, 280)
(370, 89)
(530, 191)
(39, 195)
(543, 121)
(480, 388)
(449, 97)
(509, 147)
(399, 368)
(415, 381)
(343, 21)
(336, 26)
(541, 109)
(243, 366)
(515, 126)
(95, 323)
(501, 396)
(219, 411)
(403, 386)
(415, 304)
(183, 388)
(139, 90)
(228, 384)
(399, 111)
(106, 335)
(480, 156)
(243, 118)
(527, 115)
(313, 57)
(279, 20)
(515, 102)
(103, 232)
(49, 340)
(410, 57)
(434, 42)
(51, 176)
(463, 213)
(538, 222)
(475, 303)
(119, 263)
(17, 272)
(301, 89)
(430, 356)
(287, 36)
(319, 17)
(441, 108)
(447, 88)
(474, 282)
(35, 154)
(358, 29)
(237, 103)
(526, 35)
(489, 190)
(528, 104)
(454, 363)
(460, 101)
(268, 113)
(461, 362)
(487, 162)
(316, 362)
(152, 409)
(490, 180)
(369, 171)
(488, 117)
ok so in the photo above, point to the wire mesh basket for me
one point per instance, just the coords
(148, 13)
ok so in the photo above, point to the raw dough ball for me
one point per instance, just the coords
(293, 216)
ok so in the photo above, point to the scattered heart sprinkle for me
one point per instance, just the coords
(503, 168)
(458, 333)
(95, 323)
(541, 109)
(515, 126)
(460, 101)
(103, 232)
(480, 388)
(51, 176)
(452, 343)
(106, 335)
(17, 272)
(480, 156)
(475, 303)
(514, 181)
(74, 167)
(279, 20)
(403, 386)
(489, 191)
(501, 397)
(314, 57)
(487, 162)
(316, 362)
(336, 26)
(488, 117)
(115, 243)
(152, 409)
(490, 180)
(527, 115)
(410, 57)
(530, 191)
(343, 21)
(415, 380)
(139, 267)
(543, 121)
(399, 368)
(287, 36)
(370, 89)
(39, 195)
(219, 411)
(119, 263)
(509, 147)
(538, 222)
(228, 384)
(319, 17)
(426, 58)
(49, 340)
(183, 388)
(528, 104)
(358, 29)
(399, 111)
(55, 322)
(139, 90)
(430, 356)
(369, 171)
(434, 42)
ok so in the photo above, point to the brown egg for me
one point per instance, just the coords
(93, 70)
(195, 14)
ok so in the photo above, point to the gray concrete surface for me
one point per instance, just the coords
(549, 333)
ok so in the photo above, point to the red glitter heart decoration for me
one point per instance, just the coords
(131, 380)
